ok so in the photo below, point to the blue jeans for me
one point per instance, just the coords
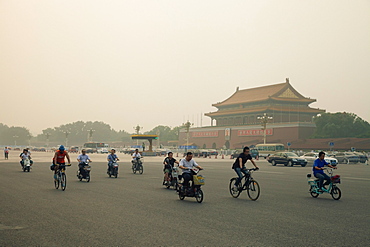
(239, 171)
(322, 177)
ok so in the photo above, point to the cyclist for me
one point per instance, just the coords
(59, 160)
(135, 156)
(82, 161)
(239, 165)
(169, 163)
(24, 155)
(186, 165)
(112, 157)
(318, 171)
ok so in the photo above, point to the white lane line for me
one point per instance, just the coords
(270, 172)
(366, 179)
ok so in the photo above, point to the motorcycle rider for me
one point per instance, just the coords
(169, 163)
(59, 159)
(112, 158)
(318, 171)
(82, 162)
(29, 152)
(24, 155)
(186, 165)
(239, 165)
(135, 156)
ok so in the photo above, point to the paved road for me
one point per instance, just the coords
(135, 210)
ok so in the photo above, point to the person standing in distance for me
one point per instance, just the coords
(6, 153)
(239, 165)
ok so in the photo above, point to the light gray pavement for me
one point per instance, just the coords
(135, 210)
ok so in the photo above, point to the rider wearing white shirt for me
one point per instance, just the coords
(82, 160)
(25, 155)
(186, 165)
(135, 155)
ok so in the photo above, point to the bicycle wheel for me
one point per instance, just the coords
(313, 192)
(56, 182)
(234, 191)
(199, 196)
(134, 169)
(336, 193)
(141, 169)
(253, 190)
(63, 181)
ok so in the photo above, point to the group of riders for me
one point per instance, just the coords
(186, 164)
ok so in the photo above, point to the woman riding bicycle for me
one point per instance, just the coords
(239, 164)
(318, 171)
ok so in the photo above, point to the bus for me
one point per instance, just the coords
(265, 150)
(95, 146)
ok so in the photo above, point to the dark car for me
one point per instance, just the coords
(253, 152)
(287, 158)
(347, 157)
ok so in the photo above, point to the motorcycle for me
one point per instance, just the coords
(137, 165)
(26, 165)
(86, 174)
(195, 189)
(174, 179)
(113, 170)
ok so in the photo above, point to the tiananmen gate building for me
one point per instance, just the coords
(235, 123)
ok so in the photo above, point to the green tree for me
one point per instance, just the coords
(341, 125)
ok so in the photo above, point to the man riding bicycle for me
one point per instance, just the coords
(112, 158)
(169, 163)
(82, 161)
(186, 165)
(239, 165)
(59, 160)
(318, 171)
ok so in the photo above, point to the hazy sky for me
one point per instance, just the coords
(162, 62)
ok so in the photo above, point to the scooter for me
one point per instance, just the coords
(137, 165)
(332, 188)
(86, 174)
(195, 189)
(26, 165)
(174, 179)
(113, 171)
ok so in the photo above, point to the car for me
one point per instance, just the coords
(311, 157)
(346, 157)
(253, 152)
(287, 158)
(362, 157)
(102, 151)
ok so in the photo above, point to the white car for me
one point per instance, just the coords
(102, 151)
(311, 157)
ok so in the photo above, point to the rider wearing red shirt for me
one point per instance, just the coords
(58, 159)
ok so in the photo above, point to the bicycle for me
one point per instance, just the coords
(61, 177)
(332, 189)
(250, 185)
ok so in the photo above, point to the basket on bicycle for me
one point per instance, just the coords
(335, 179)
(198, 179)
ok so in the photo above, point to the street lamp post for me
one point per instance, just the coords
(264, 120)
(137, 130)
(15, 140)
(187, 126)
(66, 133)
(91, 131)
(47, 139)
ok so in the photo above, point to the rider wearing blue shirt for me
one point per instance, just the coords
(111, 159)
(82, 161)
(318, 170)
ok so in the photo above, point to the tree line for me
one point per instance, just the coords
(328, 125)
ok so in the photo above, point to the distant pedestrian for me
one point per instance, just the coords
(143, 146)
(6, 153)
